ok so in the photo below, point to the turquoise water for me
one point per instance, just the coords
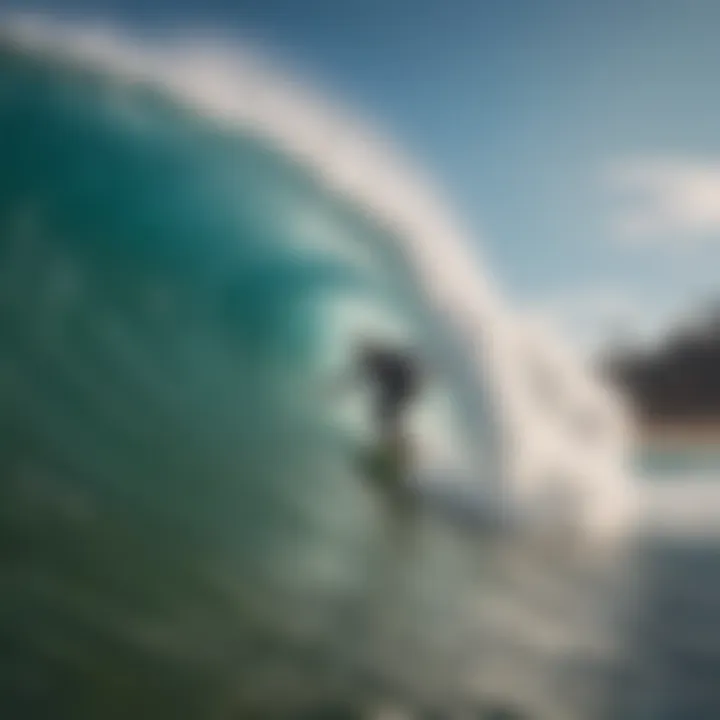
(183, 531)
(660, 463)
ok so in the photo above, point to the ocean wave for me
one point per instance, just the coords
(195, 194)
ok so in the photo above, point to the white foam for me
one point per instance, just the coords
(686, 506)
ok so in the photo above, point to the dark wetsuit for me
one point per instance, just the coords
(397, 379)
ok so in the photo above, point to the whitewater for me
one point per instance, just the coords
(191, 245)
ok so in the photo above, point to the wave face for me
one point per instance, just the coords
(141, 217)
(143, 212)
(203, 182)
(181, 282)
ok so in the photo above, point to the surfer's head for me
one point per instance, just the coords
(371, 349)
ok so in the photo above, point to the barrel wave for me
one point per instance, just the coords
(186, 533)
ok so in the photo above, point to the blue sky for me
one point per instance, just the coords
(579, 141)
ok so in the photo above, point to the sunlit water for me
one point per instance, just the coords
(337, 602)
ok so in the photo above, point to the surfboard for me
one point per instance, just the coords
(394, 473)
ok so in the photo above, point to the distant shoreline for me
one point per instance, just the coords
(693, 434)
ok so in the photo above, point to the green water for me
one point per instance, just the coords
(658, 462)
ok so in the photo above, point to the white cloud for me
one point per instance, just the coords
(667, 201)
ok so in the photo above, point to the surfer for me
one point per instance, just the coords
(392, 377)
(395, 376)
